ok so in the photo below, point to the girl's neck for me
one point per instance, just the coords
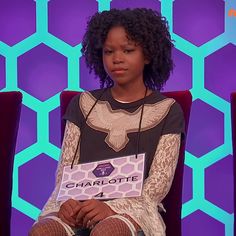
(129, 94)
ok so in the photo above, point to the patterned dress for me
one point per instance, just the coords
(111, 131)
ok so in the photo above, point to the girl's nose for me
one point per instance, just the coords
(117, 58)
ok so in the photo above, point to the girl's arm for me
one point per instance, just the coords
(156, 185)
(71, 136)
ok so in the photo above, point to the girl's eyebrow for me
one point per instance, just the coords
(122, 45)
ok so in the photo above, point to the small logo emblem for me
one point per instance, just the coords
(103, 170)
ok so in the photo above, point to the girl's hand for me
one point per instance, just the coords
(67, 212)
(92, 211)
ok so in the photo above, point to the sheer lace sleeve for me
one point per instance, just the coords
(144, 209)
(71, 136)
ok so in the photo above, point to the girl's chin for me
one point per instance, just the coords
(120, 83)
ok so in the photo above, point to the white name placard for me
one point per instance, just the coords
(108, 179)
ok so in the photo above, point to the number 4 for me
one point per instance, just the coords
(99, 195)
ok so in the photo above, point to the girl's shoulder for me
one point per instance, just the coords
(172, 107)
(157, 96)
(95, 92)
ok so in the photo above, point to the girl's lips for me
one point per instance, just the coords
(119, 71)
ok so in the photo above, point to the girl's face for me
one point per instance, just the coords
(123, 59)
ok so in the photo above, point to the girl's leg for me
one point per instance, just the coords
(114, 227)
(47, 227)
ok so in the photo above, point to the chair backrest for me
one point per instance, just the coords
(233, 123)
(173, 200)
(65, 98)
(10, 107)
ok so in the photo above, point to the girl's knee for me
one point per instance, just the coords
(36, 230)
(108, 227)
(47, 227)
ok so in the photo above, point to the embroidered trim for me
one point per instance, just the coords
(119, 123)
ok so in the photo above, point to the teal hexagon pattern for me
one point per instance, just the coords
(40, 45)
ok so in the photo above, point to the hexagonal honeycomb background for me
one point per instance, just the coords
(40, 56)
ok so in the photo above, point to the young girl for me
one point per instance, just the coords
(130, 51)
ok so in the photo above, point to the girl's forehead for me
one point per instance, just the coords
(118, 34)
(117, 31)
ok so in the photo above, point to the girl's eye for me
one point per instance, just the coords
(107, 52)
(128, 50)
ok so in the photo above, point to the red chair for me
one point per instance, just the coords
(173, 200)
(10, 107)
(233, 123)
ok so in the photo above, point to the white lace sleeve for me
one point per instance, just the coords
(144, 209)
(71, 136)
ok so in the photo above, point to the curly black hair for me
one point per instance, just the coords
(144, 26)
